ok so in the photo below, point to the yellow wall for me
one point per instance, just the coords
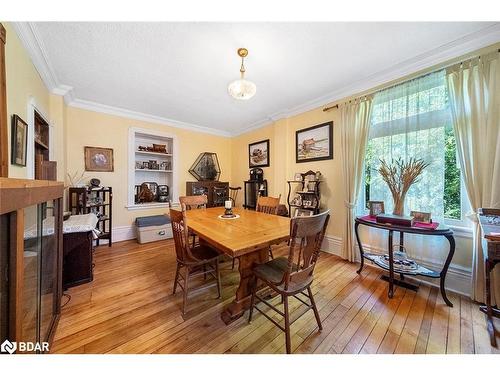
(23, 84)
(86, 128)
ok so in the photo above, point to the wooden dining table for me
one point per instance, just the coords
(246, 237)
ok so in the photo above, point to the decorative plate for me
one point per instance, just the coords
(230, 217)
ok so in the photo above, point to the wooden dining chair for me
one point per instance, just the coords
(193, 202)
(195, 261)
(233, 194)
(268, 205)
(292, 275)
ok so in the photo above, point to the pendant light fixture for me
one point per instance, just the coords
(242, 89)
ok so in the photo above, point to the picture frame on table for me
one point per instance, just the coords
(376, 208)
(314, 143)
(19, 141)
(98, 159)
(258, 154)
(299, 212)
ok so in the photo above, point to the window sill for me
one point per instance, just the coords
(462, 232)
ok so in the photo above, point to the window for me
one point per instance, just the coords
(412, 120)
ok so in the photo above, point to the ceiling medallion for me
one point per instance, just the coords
(242, 89)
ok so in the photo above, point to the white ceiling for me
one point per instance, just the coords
(180, 71)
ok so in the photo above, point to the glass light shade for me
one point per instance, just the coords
(242, 89)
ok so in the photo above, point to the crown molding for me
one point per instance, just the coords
(26, 31)
(482, 38)
(459, 47)
(121, 112)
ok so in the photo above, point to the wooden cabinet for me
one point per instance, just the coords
(44, 169)
(78, 263)
(217, 192)
(253, 190)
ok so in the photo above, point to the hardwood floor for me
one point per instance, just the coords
(129, 308)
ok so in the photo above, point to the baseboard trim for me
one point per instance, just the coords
(120, 234)
(458, 278)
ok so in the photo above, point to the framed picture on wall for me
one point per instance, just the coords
(314, 143)
(19, 141)
(258, 154)
(98, 159)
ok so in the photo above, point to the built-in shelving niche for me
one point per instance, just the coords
(166, 175)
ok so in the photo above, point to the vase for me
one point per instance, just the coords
(399, 205)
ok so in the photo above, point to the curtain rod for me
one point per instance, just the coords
(326, 109)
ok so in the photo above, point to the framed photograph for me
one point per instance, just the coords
(376, 208)
(145, 165)
(297, 177)
(314, 143)
(300, 212)
(422, 217)
(19, 141)
(258, 154)
(98, 159)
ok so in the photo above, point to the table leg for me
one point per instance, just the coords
(451, 240)
(391, 266)
(241, 302)
(401, 246)
(356, 225)
(489, 310)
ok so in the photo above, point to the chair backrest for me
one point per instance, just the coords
(307, 233)
(220, 195)
(233, 194)
(180, 232)
(194, 201)
(268, 205)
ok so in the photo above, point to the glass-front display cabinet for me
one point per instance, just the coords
(30, 255)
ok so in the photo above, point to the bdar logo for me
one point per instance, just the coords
(8, 347)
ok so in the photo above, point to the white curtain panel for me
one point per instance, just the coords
(474, 90)
(354, 125)
(409, 121)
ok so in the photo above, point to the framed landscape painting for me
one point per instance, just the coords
(314, 143)
(98, 159)
(19, 141)
(258, 154)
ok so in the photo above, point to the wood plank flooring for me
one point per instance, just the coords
(129, 308)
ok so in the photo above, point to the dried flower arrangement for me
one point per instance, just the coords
(76, 179)
(400, 175)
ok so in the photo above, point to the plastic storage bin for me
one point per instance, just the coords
(153, 228)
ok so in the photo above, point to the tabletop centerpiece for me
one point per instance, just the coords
(400, 175)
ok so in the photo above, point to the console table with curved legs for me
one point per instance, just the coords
(441, 230)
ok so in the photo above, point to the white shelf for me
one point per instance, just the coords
(153, 170)
(137, 176)
(152, 153)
